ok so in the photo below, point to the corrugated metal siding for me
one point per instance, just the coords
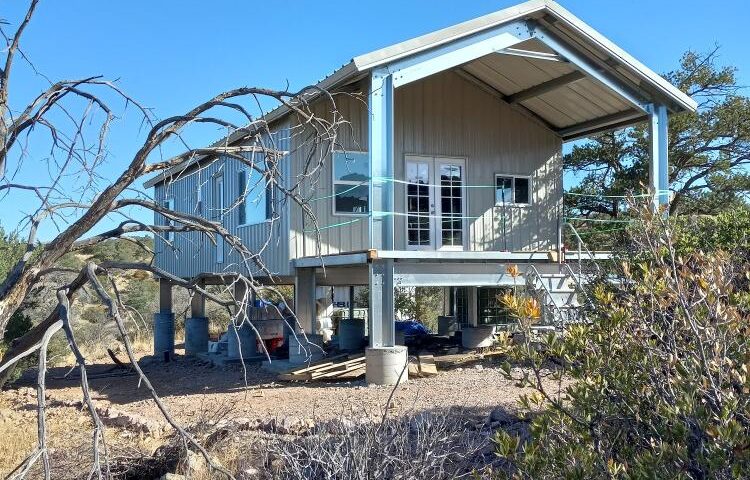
(194, 253)
(445, 115)
(571, 104)
(344, 238)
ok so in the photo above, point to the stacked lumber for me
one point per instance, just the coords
(340, 367)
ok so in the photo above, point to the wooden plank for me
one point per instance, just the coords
(314, 366)
(341, 368)
(334, 365)
(352, 374)
(427, 365)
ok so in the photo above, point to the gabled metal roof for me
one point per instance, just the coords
(568, 102)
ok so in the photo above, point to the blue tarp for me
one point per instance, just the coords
(411, 327)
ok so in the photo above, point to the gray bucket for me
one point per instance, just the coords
(351, 333)
(240, 341)
(164, 334)
(196, 335)
(447, 326)
(306, 353)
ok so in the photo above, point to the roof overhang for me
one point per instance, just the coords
(536, 56)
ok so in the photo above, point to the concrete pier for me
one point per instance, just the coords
(384, 365)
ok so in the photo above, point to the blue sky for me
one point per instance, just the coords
(171, 55)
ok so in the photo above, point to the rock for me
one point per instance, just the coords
(249, 473)
(132, 422)
(244, 423)
(478, 367)
(196, 465)
(294, 426)
(172, 476)
(26, 392)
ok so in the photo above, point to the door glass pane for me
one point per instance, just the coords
(418, 203)
(451, 204)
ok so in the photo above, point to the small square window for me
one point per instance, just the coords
(512, 190)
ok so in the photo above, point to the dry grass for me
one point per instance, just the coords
(17, 437)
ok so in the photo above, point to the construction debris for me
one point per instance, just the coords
(340, 367)
(423, 367)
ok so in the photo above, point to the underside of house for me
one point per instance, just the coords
(449, 173)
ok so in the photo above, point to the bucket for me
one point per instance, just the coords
(299, 354)
(164, 334)
(447, 326)
(240, 341)
(351, 333)
(196, 335)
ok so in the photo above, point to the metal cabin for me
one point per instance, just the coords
(450, 171)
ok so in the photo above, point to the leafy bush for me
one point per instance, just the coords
(728, 231)
(660, 385)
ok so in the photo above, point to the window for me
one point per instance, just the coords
(512, 190)
(218, 214)
(199, 199)
(490, 310)
(256, 197)
(169, 205)
(351, 176)
(458, 304)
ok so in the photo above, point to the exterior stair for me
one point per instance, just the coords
(558, 293)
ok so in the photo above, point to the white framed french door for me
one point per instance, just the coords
(435, 203)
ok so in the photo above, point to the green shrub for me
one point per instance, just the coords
(659, 384)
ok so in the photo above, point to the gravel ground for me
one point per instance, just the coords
(193, 390)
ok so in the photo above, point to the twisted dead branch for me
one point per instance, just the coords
(61, 117)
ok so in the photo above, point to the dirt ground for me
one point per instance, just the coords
(195, 391)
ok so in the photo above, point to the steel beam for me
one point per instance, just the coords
(165, 296)
(607, 121)
(382, 314)
(545, 87)
(381, 159)
(543, 35)
(412, 274)
(198, 303)
(659, 150)
(457, 53)
(304, 299)
(518, 52)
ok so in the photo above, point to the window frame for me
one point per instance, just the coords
(219, 197)
(513, 202)
(352, 183)
(169, 204)
(243, 204)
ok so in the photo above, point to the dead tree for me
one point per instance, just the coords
(62, 116)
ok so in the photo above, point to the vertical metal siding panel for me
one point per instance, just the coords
(446, 115)
(452, 117)
(195, 252)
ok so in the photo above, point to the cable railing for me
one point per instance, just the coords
(581, 250)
